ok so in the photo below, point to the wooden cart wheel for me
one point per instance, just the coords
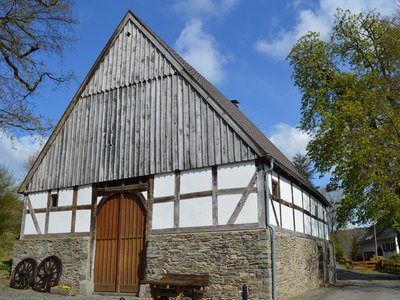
(47, 274)
(24, 272)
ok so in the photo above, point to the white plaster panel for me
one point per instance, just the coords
(82, 222)
(313, 204)
(272, 218)
(226, 206)
(85, 195)
(297, 196)
(99, 199)
(306, 199)
(307, 224)
(29, 225)
(163, 215)
(320, 210)
(321, 230)
(196, 181)
(65, 197)
(60, 221)
(164, 185)
(144, 194)
(235, 175)
(195, 212)
(249, 212)
(298, 216)
(287, 217)
(326, 232)
(314, 223)
(286, 189)
(38, 200)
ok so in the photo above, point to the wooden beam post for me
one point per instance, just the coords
(214, 172)
(177, 198)
(74, 207)
(93, 214)
(46, 222)
(293, 211)
(262, 221)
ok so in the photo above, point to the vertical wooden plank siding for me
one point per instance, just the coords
(137, 116)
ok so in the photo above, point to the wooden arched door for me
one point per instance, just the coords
(119, 255)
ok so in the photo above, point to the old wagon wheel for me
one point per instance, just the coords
(23, 274)
(47, 274)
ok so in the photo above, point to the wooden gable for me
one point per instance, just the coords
(138, 112)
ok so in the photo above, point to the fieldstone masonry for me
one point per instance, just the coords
(235, 258)
(73, 253)
(302, 264)
(230, 258)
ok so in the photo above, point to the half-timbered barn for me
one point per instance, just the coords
(151, 169)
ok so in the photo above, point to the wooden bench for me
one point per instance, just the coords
(177, 286)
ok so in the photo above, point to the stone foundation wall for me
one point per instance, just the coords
(231, 259)
(73, 253)
(302, 264)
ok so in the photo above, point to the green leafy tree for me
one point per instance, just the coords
(30, 31)
(304, 164)
(350, 89)
(10, 214)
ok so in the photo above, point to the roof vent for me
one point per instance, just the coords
(235, 102)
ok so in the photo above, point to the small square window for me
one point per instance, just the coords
(54, 200)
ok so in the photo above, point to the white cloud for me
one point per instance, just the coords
(289, 140)
(15, 152)
(196, 8)
(318, 19)
(201, 51)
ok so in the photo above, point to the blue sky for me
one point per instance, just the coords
(239, 45)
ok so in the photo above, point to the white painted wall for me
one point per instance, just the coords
(287, 217)
(235, 175)
(85, 195)
(226, 206)
(299, 221)
(249, 212)
(297, 196)
(30, 227)
(60, 221)
(164, 185)
(38, 200)
(272, 218)
(307, 224)
(195, 212)
(82, 222)
(196, 181)
(65, 197)
(163, 215)
(306, 200)
(286, 189)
